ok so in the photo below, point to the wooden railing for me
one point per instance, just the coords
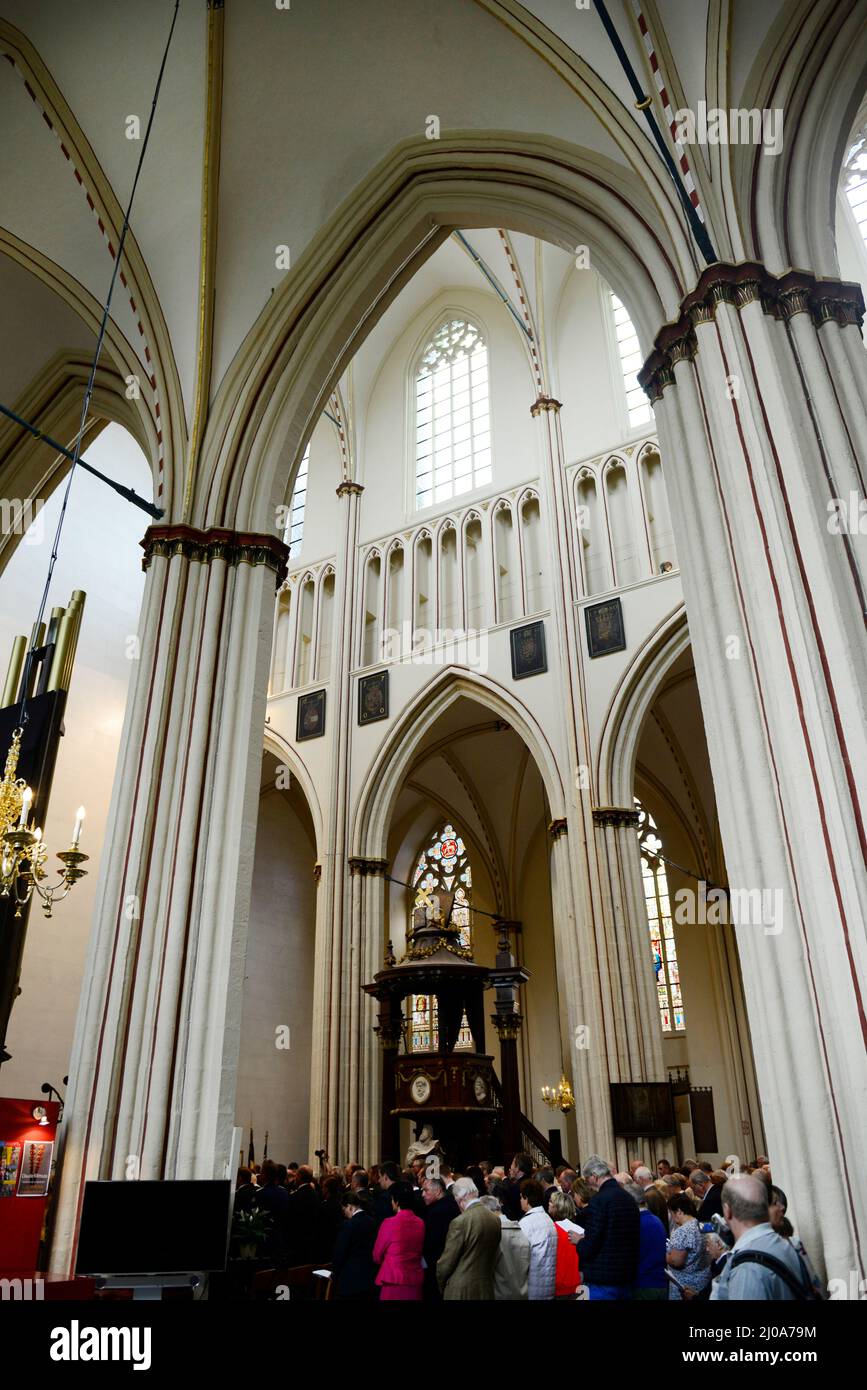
(533, 1141)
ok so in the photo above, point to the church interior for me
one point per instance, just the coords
(461, 498)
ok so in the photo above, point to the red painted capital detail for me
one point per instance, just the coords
(233, 547)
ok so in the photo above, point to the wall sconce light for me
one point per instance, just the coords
(40, 1114)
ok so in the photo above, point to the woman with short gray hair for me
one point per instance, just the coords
(561, 1210)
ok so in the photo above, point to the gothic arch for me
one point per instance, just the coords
(402, 211)
(382, 784)
(818, 80)
(134, 280)
(53, 403)
(632, 698)
(285, 753)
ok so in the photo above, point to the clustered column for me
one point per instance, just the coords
(154, 1060)
(605, 969)
(761, 391)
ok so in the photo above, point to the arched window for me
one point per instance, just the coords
(294, 533)
(662, 944)
(452, 415)
(855, 180)
(637, 405)
(443, 867)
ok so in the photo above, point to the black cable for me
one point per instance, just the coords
(129, 493)
(497, 916)
(697, 227)
(92, 378)
(690, 873)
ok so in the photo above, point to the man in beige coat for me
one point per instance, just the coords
(465, 1269)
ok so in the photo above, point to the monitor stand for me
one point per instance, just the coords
(149, 1287)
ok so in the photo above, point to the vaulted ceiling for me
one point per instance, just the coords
(268, 119)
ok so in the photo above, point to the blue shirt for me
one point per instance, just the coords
(651, 1253)
(751, 1281)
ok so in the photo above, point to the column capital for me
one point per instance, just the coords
(507, 1026)
(360, 865)
(216, 543)
(349, 489)
(545, 403)
(737, 285)
(615, 815)
(390, 1035)
(558, 827)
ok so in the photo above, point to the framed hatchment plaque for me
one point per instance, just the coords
(529, 657)
(605, 627)
(373, 698)
(310, 722)
(642, 1108)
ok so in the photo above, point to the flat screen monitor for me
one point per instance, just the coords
(154, 1227)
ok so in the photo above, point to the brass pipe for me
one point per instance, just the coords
(76, 607)
(13, 674)
(61, 648)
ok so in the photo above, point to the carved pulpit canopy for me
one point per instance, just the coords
(432, 927)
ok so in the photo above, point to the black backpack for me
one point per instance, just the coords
(803, 1291)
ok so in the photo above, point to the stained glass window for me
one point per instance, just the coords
(443, 866)
(662, 944)
(855, 180)
(637, 405)
(452, 416)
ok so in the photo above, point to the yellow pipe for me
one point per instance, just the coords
(13, 675)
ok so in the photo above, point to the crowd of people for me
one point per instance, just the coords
(430, 1233)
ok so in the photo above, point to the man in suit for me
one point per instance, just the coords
(465, 1269)
(546, 1177)
(273, 1199)
(301, 1218)
(389, 1173)
(352, 1268)
(440, 1210)
(245, 1192)
(707, 1194)
(521, 1169)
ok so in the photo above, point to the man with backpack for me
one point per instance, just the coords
(762, 1264)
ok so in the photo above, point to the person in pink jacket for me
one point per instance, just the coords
(398, 1249)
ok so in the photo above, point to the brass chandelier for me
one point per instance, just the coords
(23, 853)
(559, 1097)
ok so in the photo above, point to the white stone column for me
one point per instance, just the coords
(360, 1134)
(760, 437)
(154, 1060)
(335, 967)
(605, 974)
(637, 1034)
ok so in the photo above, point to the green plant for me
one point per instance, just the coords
(250, 1229)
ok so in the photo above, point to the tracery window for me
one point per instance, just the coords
(452, 414)
(443, 866)
(855, 180)
(662, 943)
(637, 405)
(295, 526)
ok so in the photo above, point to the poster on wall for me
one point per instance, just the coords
(35, 1168)
(10, 1157)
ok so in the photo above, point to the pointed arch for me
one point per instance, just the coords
(274, 744)
(282, 374)
(628, 706)
(382, 784)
